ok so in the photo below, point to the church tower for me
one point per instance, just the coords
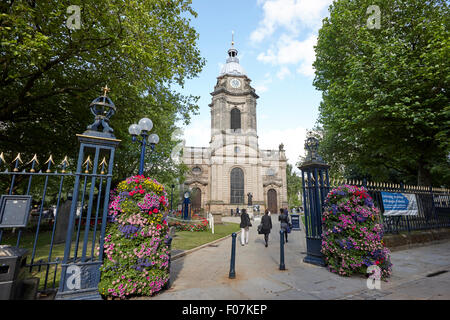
(233, 106)
(233, 167)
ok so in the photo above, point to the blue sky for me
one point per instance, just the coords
(275, 40)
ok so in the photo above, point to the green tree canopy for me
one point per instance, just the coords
(294, 186)
(50, 72)
(385, 111)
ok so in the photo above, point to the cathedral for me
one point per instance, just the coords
(233, 172)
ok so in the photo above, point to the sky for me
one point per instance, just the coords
(275, 41)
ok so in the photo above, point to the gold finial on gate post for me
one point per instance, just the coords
(103, 164)
(105, 90)
(87, 163)
(50, 162)
(17, 158)
(65, 164)
(32, 161)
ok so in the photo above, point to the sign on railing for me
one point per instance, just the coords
(396, 204)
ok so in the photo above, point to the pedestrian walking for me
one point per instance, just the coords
(285, 222)
(245, 227)
(266, 226)
(237, 212)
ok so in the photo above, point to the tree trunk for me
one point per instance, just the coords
(423, 175)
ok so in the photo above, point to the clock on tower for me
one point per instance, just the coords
(235, 83)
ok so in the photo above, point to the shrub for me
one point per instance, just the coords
(136, 256)
(352, 233)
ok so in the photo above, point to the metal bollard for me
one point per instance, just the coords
(232, 274)
(282, 266)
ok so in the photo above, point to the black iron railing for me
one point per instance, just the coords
(433, 205)
(50, 187)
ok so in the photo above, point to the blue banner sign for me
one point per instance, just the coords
(399, 204)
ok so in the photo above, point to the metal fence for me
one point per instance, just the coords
(433, 205)
(51, 185)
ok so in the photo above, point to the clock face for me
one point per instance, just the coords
(186, 194)
(235, 83)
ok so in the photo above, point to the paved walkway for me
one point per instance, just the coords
(203, 274)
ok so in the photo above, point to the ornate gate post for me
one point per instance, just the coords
(315, 184)
(80, 269)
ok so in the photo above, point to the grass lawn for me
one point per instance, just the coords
(186, 240)
(43, 251)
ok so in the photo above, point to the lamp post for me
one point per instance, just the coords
(171, 197)
(142, 129)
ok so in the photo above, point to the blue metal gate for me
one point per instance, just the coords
(70, 210)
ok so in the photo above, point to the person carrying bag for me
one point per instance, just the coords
(245, 225)
(265, 227)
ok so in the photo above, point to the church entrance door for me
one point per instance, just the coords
(196, 200)
(272, 201)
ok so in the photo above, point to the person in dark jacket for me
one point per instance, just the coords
(245, 224)
(266, 223)
(285, 223)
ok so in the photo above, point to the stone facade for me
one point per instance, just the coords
(234, 144)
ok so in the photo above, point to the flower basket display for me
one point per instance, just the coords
(136, 254)
(352, 233)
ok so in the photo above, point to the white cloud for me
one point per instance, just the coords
(262, 86)
(291, 15)
(289, 51)
(284, 71)
(292, 18)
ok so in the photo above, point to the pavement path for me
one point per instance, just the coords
(203, 274)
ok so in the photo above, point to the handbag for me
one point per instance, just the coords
(260, 229)
(288, 229)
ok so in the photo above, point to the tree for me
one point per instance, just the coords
(50, 70)
(294, 187)
(385, 109)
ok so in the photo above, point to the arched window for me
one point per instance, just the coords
(235, 119)
(237, 186)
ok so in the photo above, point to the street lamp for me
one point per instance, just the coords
(171, 198)
(142, 129)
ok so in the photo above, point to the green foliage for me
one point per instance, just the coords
(50, 73)
(385, 111)
(294, 187)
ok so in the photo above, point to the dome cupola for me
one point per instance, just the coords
(232, 66)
